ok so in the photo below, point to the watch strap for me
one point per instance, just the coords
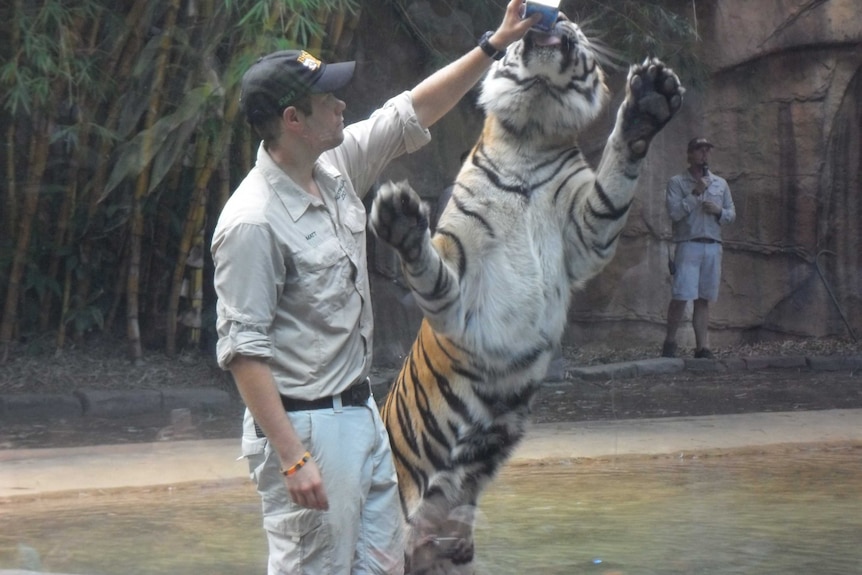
(488, 48)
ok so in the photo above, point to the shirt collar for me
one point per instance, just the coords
(295, 200)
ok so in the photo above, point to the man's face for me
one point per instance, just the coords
(324, 128)
(699, 156)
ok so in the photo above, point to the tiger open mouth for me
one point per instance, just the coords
(559, 39)
(541, 39)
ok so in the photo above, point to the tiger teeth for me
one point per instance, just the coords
(547, 40)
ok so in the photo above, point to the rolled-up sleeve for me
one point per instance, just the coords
(370, 145)
(248, 279)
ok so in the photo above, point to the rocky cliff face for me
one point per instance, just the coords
(784, 106)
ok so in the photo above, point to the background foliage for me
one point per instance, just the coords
(121, 141)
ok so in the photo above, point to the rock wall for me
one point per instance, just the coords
(783, 103)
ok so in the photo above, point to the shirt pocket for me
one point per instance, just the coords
(323, 275)
(355, 217)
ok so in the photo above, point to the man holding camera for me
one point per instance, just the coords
(698, 203)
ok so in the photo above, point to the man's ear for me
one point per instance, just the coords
(291, 118)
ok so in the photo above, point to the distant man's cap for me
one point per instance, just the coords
(277, 80)
(696, 143)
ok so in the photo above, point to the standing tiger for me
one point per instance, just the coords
(528, 222)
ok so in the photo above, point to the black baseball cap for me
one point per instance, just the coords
(696, 143)
(276, 80)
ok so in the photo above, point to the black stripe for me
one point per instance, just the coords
(438, 462)
(613, 213)
(456, 364)
(568, 178)
(453, 401)
(492, 172)
(607, 246)
(420, 479)
(460, 246)
(405, 424)
(462, 207)
(439, 286)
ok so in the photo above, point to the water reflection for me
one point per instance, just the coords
(798, 512)
(199, 530)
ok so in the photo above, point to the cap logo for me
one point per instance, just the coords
(312, 64)
(309, 61)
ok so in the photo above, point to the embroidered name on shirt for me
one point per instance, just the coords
(340, 193)
(310, 236)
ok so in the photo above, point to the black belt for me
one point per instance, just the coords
(704, 241)
(355, 395)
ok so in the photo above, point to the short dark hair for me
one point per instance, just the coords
(268, 129)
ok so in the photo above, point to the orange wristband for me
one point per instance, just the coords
(296, 466)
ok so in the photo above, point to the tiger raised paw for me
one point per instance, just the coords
(401, 219)
(653, 96)
(529, 222)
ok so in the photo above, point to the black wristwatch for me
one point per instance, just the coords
(485, 45)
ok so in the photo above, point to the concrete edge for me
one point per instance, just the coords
(23, 407)
(123, 403)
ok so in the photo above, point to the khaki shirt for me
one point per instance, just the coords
(688, 219)
(290, 270)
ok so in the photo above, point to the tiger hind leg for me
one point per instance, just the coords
(444, 546)
(442, 523)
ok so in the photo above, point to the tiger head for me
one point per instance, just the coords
(547, 85)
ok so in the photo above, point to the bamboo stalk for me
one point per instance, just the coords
(38, 155)
(198, 193)
(195, 219)
(11, 178)
(136, 226)
(71, 205)
(125, 49)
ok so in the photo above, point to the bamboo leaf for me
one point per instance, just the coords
(134, 156)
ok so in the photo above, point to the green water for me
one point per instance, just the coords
(794, 513)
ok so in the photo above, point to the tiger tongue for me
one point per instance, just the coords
(546, 39)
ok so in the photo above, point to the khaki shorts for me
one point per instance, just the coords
(698, 271)
(363, 531)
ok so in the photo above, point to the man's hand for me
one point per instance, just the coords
(513, 27)
(255, 383)
(306, 487)
(711, 208)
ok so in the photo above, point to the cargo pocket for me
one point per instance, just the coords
(254, 452)
(299, 542)
(253, 447)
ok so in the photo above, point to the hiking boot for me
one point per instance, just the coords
(668, 349)
(703, 353)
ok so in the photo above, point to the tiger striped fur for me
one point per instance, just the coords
(528, 222)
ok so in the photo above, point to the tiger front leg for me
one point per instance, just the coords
(399, 218)
(653, 97)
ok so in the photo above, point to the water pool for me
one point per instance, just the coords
(797, 511)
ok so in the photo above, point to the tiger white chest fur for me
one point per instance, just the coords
(516, 286)
(528, 222)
